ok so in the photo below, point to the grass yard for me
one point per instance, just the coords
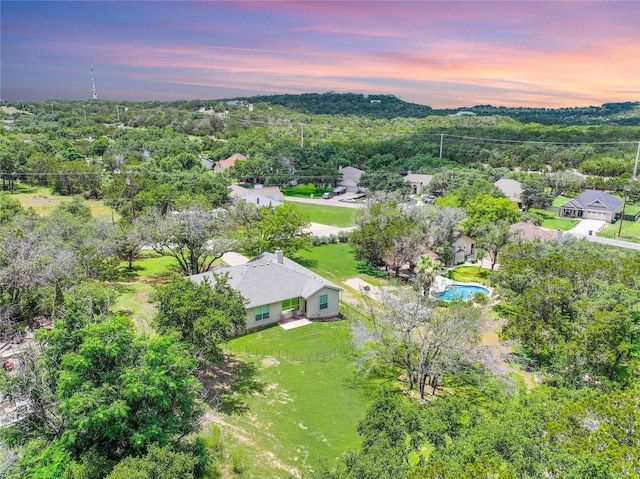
(328, 215)
(135, 297)
(43, 202)
(305, 412)
(559, 201)
(551, 220)
(335, 262)
(136, 289)
(304, 191)
(469, 274)
(630, 231)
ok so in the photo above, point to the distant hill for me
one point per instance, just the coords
(347, 104)
(390, 106)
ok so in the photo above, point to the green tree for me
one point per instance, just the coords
(485, 209)
(205, 315)
(195, 237)
(159, 462)
(280, 227)
(426, 271)
(9, 207)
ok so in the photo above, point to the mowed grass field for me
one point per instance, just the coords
(43, 202)
(305, 412)
(335, 262)
(630, 231)
(469, 274)
(551, 220)
(341, 217)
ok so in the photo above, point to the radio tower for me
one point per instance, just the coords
(93, 83)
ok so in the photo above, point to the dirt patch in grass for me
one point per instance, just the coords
(259, 453)
(500, 351)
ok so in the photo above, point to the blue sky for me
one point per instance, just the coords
(443, 54)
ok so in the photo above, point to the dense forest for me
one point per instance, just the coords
(98, 393)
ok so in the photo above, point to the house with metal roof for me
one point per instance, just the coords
(278, 288)
(593, 205)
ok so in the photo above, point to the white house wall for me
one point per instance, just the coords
(313, 304)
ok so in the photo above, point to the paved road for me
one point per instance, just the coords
(607, 241)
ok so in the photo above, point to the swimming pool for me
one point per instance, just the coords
(461, 292)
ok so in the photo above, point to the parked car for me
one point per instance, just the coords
(348, 200)
(327, 195)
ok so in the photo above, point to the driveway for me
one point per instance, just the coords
(317, 229)
(584, 226)
(234, 259)
(335, 201)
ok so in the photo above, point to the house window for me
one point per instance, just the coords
(293, 303)
(324, 301)
(261, 312)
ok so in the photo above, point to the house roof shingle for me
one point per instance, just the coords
(529, 231)
(512, 189)
(264, 281)
(594, 200)
(418, 178)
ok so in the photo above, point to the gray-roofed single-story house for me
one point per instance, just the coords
(278, 288)
(350, 178)
(512, 189)
(259, 196)
(593, 205)
(418, 182)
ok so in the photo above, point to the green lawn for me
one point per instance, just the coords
(559, 201)
(328, 215)
(135, 297)
(469, 274)
(43, 202)
(136, 289)
(335, 262)
(304, 191)
(305, 411)
(552, 221)
(630, 231)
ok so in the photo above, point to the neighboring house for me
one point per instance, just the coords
(593, 205)
(464, 249)
(512, 189)
(206, 162)
(350, 178)
(277, 288)
(222, 165)
(418, 182)
(531, 232)
(259, 196)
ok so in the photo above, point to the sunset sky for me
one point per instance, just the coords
(442, 54)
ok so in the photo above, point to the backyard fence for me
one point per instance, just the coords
(291, 356)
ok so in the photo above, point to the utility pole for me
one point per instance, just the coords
(626, 198)
(133, 206)
(635, 167)
(301, 135)
(118, 112)
(441, 143)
